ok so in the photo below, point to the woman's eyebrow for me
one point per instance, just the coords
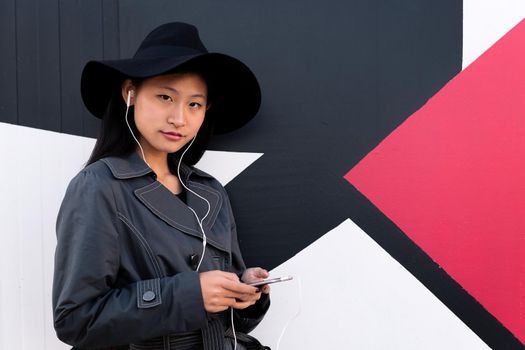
(170, 88)
(177, 92)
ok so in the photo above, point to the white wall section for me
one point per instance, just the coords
(36, 167)
(485, 22)
(361, 299)
(225, 166)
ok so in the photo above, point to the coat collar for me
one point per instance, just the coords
(165, 205)
(127, 167)
(132, 165)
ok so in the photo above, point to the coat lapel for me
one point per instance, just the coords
(177, 214)
(167, 206)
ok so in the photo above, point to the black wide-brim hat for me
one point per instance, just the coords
(236, 95)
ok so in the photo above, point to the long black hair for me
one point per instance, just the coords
(115, 139)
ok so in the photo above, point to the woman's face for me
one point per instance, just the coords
(169, 110)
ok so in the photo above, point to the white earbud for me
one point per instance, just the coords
(130, 94)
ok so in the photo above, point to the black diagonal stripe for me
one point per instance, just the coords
(446, 289)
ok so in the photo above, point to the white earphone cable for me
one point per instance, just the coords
(294, 316)
(131, 131)
(199, 221)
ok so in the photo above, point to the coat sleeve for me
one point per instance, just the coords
(90, 309)
(246, 319)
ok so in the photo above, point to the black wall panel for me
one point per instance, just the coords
(48, 65)
(27, 59)
(45, 44)
(8, 81)
(88, 31)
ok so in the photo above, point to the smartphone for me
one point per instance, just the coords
(270, 281)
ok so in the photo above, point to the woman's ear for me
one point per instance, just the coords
(128, 92)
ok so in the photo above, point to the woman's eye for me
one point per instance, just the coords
(165, 97)
(195, 105)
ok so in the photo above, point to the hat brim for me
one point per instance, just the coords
(236, 92)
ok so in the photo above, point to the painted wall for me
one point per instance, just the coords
(367, 117)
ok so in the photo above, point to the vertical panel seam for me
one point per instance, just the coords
(42, 245)
(16, 63)
(117, 18)
(40, 117)
(103, 18)
(60, 127)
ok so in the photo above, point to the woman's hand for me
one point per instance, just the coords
(221, 290)
(254, 274)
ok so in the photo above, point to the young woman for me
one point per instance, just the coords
(147, 254)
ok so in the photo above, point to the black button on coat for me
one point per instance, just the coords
(122, 268)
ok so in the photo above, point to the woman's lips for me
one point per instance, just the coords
(170, 135)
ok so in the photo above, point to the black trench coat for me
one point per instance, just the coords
(126, 255)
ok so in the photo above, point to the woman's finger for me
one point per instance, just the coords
(254, 274)
(265, 289)
(243, 304)
(249, 297)
(238, 287)
(262, 273)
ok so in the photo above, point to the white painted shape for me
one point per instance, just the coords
(225, 166)
(10, 289)
(29, 216)
(32, 186)
(356, 296)
(64, 157)
(485, 22)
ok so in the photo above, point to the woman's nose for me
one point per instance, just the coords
(177, 117)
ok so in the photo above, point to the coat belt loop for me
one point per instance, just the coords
(166, 340)
(213, 335)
